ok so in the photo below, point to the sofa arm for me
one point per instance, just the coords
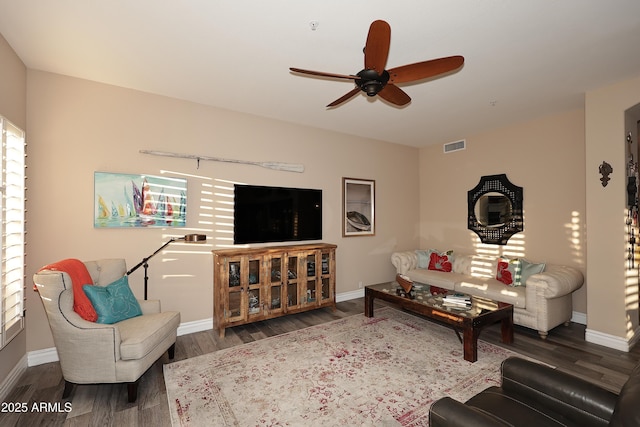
(582, 402)
(556, 281)
(450, 413)
(404, 261)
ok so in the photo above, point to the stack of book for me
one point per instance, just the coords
(457, 300)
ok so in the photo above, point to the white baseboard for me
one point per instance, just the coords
(578, 317)
(346, 296)
(12, 378)
(611, 341)
(195, 326)
(40, 357)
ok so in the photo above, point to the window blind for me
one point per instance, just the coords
(13, 231)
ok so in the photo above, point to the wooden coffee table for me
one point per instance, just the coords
(428, 301)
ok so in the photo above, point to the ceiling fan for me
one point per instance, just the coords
(375, 80)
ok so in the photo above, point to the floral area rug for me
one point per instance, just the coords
(381, 371)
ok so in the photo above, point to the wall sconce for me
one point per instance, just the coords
(605, 170)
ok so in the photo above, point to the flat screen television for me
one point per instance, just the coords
(276, 214)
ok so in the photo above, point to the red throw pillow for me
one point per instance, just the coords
(439, 262)
(509, 271)
(80, 276)
(504, 275)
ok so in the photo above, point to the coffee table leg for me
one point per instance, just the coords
(368, 303)
(470, 344)
(506, 329)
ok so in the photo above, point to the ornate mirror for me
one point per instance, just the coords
(495, 209)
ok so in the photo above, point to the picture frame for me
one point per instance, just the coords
(358, 207)
(139, 201)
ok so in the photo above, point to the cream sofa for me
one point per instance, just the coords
(542, 304)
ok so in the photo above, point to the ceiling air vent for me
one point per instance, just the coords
(450, 147)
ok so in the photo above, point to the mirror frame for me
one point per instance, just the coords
(497, 235)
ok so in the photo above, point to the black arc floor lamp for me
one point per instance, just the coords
(189, 238)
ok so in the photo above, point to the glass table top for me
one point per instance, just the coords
(442, 299)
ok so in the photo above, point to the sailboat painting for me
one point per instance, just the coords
(132, 200)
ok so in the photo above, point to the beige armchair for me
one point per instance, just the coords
(92, 353)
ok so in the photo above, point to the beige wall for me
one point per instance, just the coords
(13, 91)
(546, 157)
(13, 86)
(613, 299)
(78, 127)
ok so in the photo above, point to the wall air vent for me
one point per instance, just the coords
(450, 147)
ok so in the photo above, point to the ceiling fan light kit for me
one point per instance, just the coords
(374, 79)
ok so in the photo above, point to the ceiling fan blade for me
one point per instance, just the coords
(394, 95)
(423, 70)
(344, 98)
(323, 74)
(376, 50)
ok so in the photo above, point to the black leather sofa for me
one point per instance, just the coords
(537, 395)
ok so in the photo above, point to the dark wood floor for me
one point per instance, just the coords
(106, 405)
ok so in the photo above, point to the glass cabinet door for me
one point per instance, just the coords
(292, 281)
(254, 272)
(311, 282)
(325, 281)
(253, 296)
(275, 268)
(325, 262)
(254, 299)
(311, 265)
(326, 289)
(233, 302)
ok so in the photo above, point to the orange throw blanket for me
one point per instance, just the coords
(80, 276)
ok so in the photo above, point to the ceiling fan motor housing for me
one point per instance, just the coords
(370, 82)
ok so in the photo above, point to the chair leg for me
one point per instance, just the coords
(68, 388)
(172, 351)
(132, 391)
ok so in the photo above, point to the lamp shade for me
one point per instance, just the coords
(195, 238)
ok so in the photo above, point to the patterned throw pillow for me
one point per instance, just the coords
(441, 261)
(509, 271)
(114, 302)
(515, 272)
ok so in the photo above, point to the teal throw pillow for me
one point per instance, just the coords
(423, 258)
(114, 302)
(529, 268)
